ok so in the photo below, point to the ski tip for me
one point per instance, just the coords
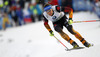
(91, 45)
(67, 49)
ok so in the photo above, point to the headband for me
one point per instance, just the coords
(47, 8)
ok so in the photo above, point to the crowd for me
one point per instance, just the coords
(80, 5)
(21, 12)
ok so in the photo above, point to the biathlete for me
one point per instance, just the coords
(59, 19)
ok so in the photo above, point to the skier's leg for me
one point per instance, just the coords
(78, 36)
(65, 36)
(3, 25)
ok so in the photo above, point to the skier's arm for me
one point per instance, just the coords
(65, 9)
(47, 26)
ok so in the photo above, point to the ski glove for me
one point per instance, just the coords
(51, 33)
(70, 21)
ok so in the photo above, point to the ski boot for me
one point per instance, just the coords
(86, 44)
(75, 45)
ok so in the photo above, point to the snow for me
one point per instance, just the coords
(33, 40)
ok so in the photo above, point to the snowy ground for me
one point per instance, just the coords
(33, 40)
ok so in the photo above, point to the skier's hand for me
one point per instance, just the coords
(70, 21)
(51, 33)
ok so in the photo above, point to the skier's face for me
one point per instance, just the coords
(50, 12)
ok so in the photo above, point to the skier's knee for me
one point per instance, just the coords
(70, 29)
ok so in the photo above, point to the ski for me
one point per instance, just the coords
(78, 48)
(75, 48)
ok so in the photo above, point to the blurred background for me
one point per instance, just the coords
(21, 12)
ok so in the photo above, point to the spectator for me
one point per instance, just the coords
(6, 21)
(27, 16)
(67, 3)
(21, 3)
(39, 12)
(53, 2)
(97, 3)
(13, 14)
(1, 6)
(1, 19)
(40, 2)
(30, 10)
(6, 6)
(19, 13)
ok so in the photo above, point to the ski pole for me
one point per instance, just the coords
(85, 21)
(61, 43)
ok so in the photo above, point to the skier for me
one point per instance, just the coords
(59, 19)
